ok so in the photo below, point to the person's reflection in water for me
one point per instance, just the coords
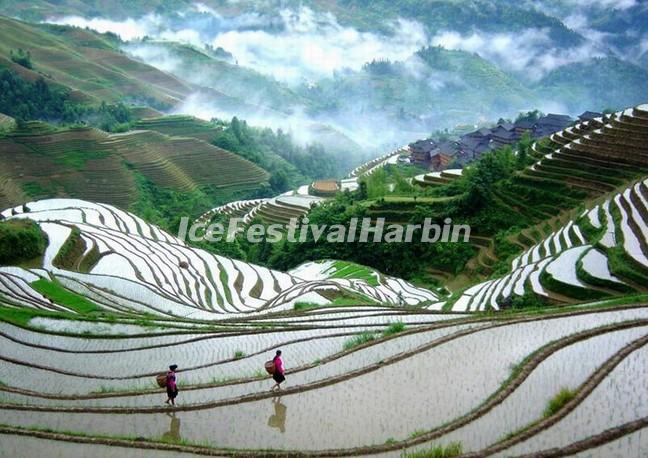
(173, 434)
(278, 419)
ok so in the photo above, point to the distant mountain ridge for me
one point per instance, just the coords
(463, 84)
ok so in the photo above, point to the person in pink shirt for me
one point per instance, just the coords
(171, 385)
(278, 374)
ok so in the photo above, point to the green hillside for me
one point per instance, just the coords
(38, 161)
(89, 64)
(610, 81)
(6, 122)
(461, 15)
(41, 9)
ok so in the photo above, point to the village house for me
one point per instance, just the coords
(420, 151)
(475, 143)
(504, 134)
(524, 125)
(444, 154)
(437, 156)
(589, 115)
(550, 124)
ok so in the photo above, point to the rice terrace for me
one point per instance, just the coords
(517, 133)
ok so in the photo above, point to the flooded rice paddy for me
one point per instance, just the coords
(422, 391)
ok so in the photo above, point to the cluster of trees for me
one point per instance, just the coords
(26, 100)
(20, 240)
(21, 57)
(532, 116)
(109, 117)
(379, 67)
(288, 163)
(165, 207)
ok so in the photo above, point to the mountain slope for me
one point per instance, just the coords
(611, 82)
(463, 16)
(88, 163)
(198, 67)
(89, 64)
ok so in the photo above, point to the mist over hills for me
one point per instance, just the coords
(382, 72)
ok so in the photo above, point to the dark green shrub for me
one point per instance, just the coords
(20, 240)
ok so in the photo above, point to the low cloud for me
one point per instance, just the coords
(155, 55)
(613, 4)
(311, 46)
(301, 45)
(297, 46)
(294, 46)
(531, 53)
(129, 29)
(198, 25)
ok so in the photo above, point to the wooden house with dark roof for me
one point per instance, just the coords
(443, 154)
(475, 143)
(503, 135)
(550, 124)
(524, 125)
(589, 115)
(420, 151)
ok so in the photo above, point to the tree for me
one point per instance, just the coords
(279, 181)
(21, 57)
(529, 116)
(524, 148)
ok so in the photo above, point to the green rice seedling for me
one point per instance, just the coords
(359, 340)
(558, 401)
(437, 451)
(394, 328)
(417, 433)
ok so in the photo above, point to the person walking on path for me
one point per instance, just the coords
(278, 374)
(171, 385)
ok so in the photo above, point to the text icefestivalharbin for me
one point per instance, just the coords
(363, 230)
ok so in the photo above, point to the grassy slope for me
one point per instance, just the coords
(6, 122)
(41, 9)
(60, 295)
